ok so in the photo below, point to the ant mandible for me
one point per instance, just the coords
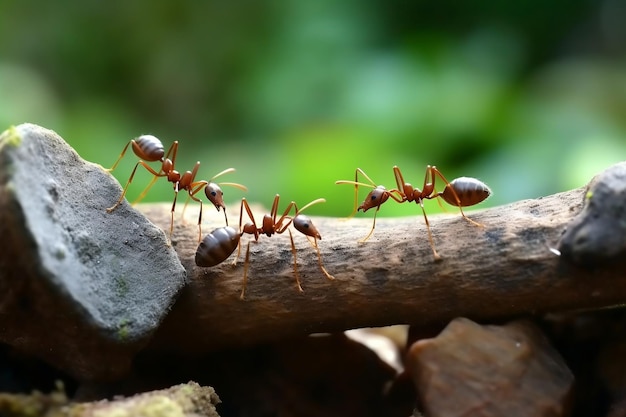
(222, 242)
(150, 148)
(461, 192)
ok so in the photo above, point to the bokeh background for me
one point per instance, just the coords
(528, 96)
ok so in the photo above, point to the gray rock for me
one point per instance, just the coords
(598, 234)
(80, 288)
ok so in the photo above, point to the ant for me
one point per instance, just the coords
(222, 242)
(461, 192)
(150, 148)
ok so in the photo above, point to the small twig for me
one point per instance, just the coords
(502, 270)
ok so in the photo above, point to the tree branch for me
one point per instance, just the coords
(502, 270)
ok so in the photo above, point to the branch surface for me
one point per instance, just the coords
(503, 270)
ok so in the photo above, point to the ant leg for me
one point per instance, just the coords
(274, 208)
(119, 158)
(245, 272)
(434, 173)
(130, 179)
(280, 227)
(195, 189)
(454, 194)
(148, 187)
(356, 188)
(185, 209)
(430, 235)
(172, 150)
(356, 184)
(399, 181)
(319, 258)
(232, 184)
(401, 198)
(244, 205)
(363, 240)
(470, 220)
(199, 218)
(295, 262)
(381, 198)
(238, 253)
(356, 177)
(200, 223)
(172, 213)
(241, 214)
(356, 200)
(428, 189)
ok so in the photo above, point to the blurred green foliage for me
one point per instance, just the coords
(528, 96)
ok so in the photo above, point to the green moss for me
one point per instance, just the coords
(122, 286)
(34, 405)
(59, 253)
(10, 137)
(589, 195)
(122, 329)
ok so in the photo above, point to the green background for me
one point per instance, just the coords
(529, 96)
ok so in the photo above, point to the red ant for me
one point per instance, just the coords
(222, 242)
(150, 148)
(461, 192)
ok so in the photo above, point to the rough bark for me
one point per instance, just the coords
(506, 269)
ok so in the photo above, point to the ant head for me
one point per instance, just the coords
(304, 225)
(375, 198)
(215, 194)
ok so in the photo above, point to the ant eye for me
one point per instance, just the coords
(213, 193)
(373, 198)
(306, 225)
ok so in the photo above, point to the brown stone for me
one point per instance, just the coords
(474, 370)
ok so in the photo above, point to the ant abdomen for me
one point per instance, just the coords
(148, 147)
(469, 191)
(217, 246)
